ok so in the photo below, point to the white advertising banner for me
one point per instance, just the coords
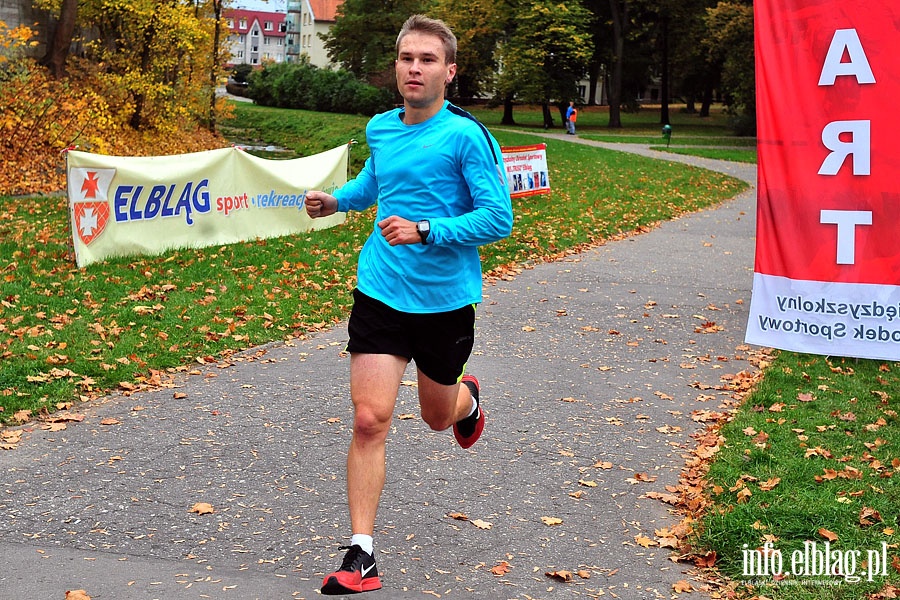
(526, 170)
(121, 206)
(828, 318)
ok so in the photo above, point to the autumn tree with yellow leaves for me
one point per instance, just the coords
(142, 83)
(157, 55)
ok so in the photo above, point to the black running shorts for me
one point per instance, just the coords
(440, 343)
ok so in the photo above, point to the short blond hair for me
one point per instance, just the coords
(436, 27)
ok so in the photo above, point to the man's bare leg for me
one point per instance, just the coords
(374, 384)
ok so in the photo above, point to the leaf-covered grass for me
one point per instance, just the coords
(810, 457)
(67, 333)
(692, 135)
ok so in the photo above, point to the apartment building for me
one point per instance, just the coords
(255, 37)
(306, 20)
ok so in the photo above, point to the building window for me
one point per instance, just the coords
(229, 23)
(243, 24)
(268, 26)
(267, 41)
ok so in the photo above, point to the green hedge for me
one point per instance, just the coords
(307, 87)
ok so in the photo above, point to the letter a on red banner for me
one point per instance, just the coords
(827, 272)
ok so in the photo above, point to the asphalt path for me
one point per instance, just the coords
(592, 368)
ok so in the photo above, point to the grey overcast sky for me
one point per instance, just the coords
(264, 5)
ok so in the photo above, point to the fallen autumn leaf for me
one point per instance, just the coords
(202, 508)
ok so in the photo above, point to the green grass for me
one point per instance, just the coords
(795, 510)
(676, 141)
(692, 135)
(732, 154)
(296, 132)
(69, 333)
(825, 431)
(595, 120)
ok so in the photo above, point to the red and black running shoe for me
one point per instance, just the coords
(358, 573)
(468, 430)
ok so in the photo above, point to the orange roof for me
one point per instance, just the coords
(325, 10)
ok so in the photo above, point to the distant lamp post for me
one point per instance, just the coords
(667, 133)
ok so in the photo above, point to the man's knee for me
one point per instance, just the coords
(371, 423)
(438, 424)
(437, 420)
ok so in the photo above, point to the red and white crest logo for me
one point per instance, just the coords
(90, 209)
(90, 219)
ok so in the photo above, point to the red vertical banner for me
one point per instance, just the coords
(827, 271)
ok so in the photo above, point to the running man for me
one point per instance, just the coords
(437, 176)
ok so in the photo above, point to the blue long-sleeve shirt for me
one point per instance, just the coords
(448, 170)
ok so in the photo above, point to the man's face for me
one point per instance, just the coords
(422, 70)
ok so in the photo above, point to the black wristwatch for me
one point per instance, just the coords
(424, 228)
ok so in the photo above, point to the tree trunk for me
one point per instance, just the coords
(58, 48)
(507, 111)
(548, 116)
(137, 116)
(213, 68)
(562, 107)
(690, 105)
(619, 15)
(664, 83)
(707, 101)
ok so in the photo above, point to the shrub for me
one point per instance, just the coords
(305, 86)
(237, 79)
(743, 124)
(235, 88)
(240, 73)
